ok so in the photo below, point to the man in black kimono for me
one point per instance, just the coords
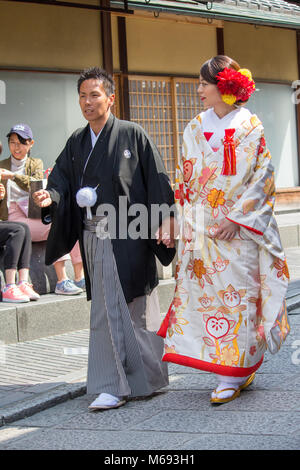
(116, 164)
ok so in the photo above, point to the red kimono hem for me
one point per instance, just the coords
(209, 367)
(245, 226)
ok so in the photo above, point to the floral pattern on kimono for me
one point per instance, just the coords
(229, 302)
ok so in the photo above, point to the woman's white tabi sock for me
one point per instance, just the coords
(226, 382)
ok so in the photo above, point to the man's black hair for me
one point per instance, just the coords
(98, 74)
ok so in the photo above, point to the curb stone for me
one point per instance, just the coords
(30, 406)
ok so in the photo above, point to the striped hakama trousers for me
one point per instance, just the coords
(124, 357)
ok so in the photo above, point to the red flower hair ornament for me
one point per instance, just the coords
(235, 85)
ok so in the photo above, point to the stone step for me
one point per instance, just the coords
(293, 305)
(165, 293)
(293, 297)
(290, 235)
(289, 228)
(54, 314)
(294, 289)
(50, 315)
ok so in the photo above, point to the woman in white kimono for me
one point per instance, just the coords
(231, 275)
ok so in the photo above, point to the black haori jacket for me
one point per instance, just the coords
(124, 162)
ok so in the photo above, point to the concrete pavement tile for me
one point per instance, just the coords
(54, 415)
(216, 421)
(32, 324)
(7, 434)
(8, 322)
(42, 387)
(250, 400)
(12, 397)
(40, 402)
(295, 315)
(257, 400)
(70, 439)
(10, 388)
(116, 419)
(196, 400)
(283, 362)
(171, 400)
(295, 330)
(273, 381)
(195, 381)
(265, 380)
(242, 442)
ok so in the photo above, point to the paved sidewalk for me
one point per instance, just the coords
(180, 417)
(37, 375)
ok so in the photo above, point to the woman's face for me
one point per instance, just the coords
(17, 149)
(209, 93)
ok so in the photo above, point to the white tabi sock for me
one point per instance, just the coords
(106, 399)
(228, 382)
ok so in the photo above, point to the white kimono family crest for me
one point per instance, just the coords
(229, 302)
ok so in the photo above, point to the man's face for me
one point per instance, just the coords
(94, 102)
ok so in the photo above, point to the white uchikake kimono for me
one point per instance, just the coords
(229, 301)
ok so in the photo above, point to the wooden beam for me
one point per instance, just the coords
(220, 41)
(106, 38)
(84, 6)
(298, 104)
(170, 17)
(124, 95)
(175, 122)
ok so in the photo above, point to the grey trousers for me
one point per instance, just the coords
(124, 357)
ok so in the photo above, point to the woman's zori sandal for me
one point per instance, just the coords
(235, 388)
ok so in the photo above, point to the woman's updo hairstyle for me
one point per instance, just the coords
(212, 67)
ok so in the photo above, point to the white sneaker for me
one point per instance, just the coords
(105, 401)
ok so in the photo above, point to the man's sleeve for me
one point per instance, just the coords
(62, 236)
(157, 181)
(160, 196)
(58, 184)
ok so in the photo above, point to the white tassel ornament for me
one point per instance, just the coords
(87, 197)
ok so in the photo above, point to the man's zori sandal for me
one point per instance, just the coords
(235, 389)
(105, 401)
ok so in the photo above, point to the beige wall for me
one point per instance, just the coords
(49, 37)
(270, 53)
(163, 46)
(40, 36)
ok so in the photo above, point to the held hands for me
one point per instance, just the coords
(167, 232)
(6, 174)
(226, 231)
(2, 192)
(42, 198)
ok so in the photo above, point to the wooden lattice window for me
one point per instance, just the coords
(163, 106)
(151, 106)
(188, 103)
